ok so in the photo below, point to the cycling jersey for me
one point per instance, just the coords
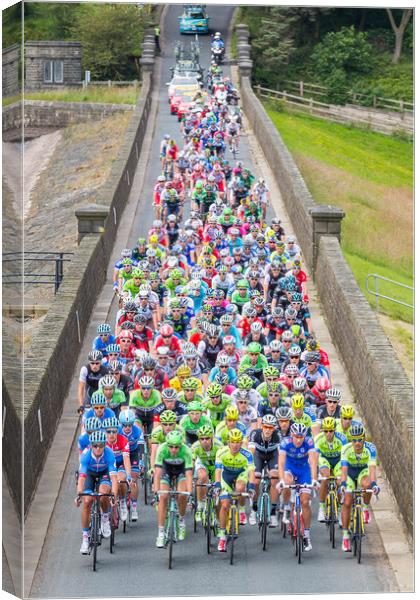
(120, 448)
(164, 454)
(90, 464)
(330, 450)
(222, 431)
(191, 428)
(206, 459)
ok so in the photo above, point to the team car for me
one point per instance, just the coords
(183, 85)
(194, 19)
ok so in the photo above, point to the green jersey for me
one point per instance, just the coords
(261, 363)
(164, 454)
(158, 436)
(191, 428)
(137, 400)
(118, 398)
(125, 275)
(238, 299)
(170, 285)
(354, 461)
(130, 286)
(330, 450)
(216, 412)
(204, 459)
(197, 397)
(263, 391)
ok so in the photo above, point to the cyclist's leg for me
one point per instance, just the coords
(182, 500)
(202, 478)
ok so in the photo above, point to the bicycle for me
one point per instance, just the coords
(232, 526)
(145, 477)
(264, 507)
(171, 521)
(209, 519)
(357, 525)
(296, 526)
(95, 535)
(128, 501)
(331, 506)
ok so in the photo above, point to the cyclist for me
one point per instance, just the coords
(173, 461)
(191, 423)
(275, 398)
(329, 443)
(135, 438)
(263, 444)
(345, 420)
(204, 452)
(216, 403)
(301, 414)
(121, 449)
(167, 422)
(96, 469)
(234, 471)
(103, 339)
(99, 409)
(358, 469)
(89, 377)
(143, 402)
(115, 398)
(284, 416)
(231, 421)
(298, 463)
(170, 402)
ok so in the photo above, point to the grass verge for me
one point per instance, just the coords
(98, 93)
(370, 176)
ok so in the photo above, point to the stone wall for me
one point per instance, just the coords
(382, 389)
(41, 116)
(54, 350)
(37, 53)
(10, 70)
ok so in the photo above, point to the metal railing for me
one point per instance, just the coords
(377, 295)
(22, 258)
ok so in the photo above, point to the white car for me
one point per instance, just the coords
(181, 85)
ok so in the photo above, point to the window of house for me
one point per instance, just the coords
(53, 71)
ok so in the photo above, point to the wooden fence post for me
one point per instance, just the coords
(301, 88)
(311, 101)
(374, 101)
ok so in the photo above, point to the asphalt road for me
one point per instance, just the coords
(138, 568)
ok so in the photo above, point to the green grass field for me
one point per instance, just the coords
(370, 176)
(98, 93)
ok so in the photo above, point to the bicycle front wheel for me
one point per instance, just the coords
(171, 537)
(232, 533)
(264, 523)
(332, 518)
(299, 536)
(95, 538)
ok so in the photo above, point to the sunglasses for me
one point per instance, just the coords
(167, 336)
(128, 426)
(332, 401)
(95, 363)
(146, 387)
(125, 340)
(274, 394)
(242, 401)
(149, 369)
(275, 351)
(112, 430)
(103, 334)
(206, 438)
(110, 354)
(173, 446)
(223, 366)
(294, 357)
(98, 445)
(98, 406)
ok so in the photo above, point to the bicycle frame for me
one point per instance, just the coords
(95, 536)
(357, 525)
(232, 525)
(296, 526)
(171, 521)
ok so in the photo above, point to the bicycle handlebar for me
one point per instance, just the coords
(172, 492)
(96, 494)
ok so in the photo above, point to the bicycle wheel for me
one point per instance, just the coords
(231, 535)
(113, 527)
(264, 525)
(299, 537)
(359, 535)
(95, 538)
(195, 508)
(208, 525)
(171, 537)
(333, 518)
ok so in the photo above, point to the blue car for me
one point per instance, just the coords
(194, 19)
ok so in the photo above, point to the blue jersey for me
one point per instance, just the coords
(231, 373)
(83, 441)
(98, 344)
(297, 456)
(320, 372)
(108, 413)
(103, 464)
(134, 438)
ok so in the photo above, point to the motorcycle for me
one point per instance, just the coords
(217, 55)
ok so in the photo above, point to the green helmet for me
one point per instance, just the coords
(199, 185)
(242, 284)
(175, 438)
(244, 382)
(137, 273)
(195, 405)
(205, 431)
(254, 348)
(227, 211)
(167, 417)
(191, 383)
(214, 390)
(176, 274)
(274, 386)
(271, 371)
(127, 261)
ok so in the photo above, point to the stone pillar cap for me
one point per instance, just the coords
(327, 211)
(92, 210)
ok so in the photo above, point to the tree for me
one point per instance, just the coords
(275, 41)
(110, 35)
(399, 31)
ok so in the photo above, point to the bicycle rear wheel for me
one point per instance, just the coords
(95, 538)
(332, 519)
(195, 508)
(299, 536)
(232, 533)
(208, 525)
(171, 538)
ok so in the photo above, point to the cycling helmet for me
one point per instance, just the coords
(269, 420)
(103, 328)
(114, 366)
(190, 383)
(298, 429)
(274, 387)
(347, 411)
(175, 438)
(254, 348)
(290, 313)
(333, 392)
(169, 394)
(244, 382)
(113, 348)
(222, 360)
(297, 401)
(126, 253)
(312, 345)
(271, 371)
(126, 332)
(299, 384)
(107, 381)
(98, 437)
(110, 423)
(328, 424)
(127, 261)
(257, 326)
(235, 435)
(284, 413)
(214, 390)
(98, 399)
(221, 378)
(166, 330)
(322, 384)
(231, 413)
(127, 417)
(206, 431)
(312, 357)
(93, 424)
(228, 339)
(95, 356)
(183, 371)
(149, 363)
(357, 431)
(146, 381)
(275, 345)
(295, 350)
(167, 417)
(130, 307)
(195, 406)
(291, 370)
(287, 336)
